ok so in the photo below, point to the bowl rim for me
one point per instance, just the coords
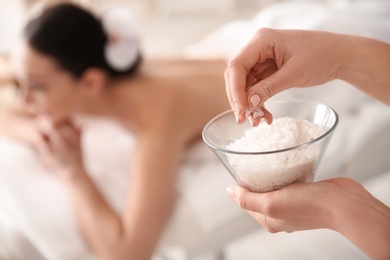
(224, 150)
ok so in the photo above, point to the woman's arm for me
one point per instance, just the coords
(339, 204)
(362, 219)
(366, 65)
(134, 234)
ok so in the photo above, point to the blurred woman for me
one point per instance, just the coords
(71, 63)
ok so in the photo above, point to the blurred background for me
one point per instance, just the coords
(205, 29)
(167, 25)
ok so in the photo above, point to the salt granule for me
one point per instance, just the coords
(267, 172)
(257, 112)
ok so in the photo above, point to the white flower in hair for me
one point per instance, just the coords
(122, 47)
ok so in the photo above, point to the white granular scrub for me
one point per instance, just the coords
(267, 172)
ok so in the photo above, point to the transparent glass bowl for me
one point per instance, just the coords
(272, 170)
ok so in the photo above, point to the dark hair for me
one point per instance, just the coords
(74, 37)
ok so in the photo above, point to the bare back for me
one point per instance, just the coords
(195, 91)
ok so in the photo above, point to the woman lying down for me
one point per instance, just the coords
(73, 64)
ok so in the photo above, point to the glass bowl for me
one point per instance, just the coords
(271, 170)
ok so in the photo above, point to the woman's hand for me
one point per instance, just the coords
(275, 60)
(340, 204)
(59, 147)
(295, 207)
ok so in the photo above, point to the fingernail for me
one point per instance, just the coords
(237, 117)
(237, 111)
(255, 100)
(231, 192)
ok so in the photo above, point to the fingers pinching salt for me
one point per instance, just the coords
(255, 115)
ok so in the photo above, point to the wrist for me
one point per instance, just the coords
(358, 58)
(72, 174)
(366, 223)
(336, 205)
(344, 59)
(332, 209)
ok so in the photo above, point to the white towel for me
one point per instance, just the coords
(203, 183)
(38, 202)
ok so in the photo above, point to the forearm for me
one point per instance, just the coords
(151, 197)
(99, 224)
(110, 235)
(366, 66)
(134, 233)
(144, 223)
(365, 221)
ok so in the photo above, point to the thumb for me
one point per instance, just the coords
(245, 199)
(277, 82)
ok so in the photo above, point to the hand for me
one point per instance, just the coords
(300, 206)
(340, 204)
(290, 209)
(60, 148)
(276, 60)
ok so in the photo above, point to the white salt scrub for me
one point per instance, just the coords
(267, 172)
